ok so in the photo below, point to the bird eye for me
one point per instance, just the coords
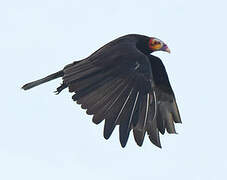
(155, 42)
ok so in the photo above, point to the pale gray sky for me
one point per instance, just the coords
(43, 136)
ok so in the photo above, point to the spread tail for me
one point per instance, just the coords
(43, 80)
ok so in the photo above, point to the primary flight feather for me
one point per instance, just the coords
(123, 84)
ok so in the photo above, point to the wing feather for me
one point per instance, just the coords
(140, 128)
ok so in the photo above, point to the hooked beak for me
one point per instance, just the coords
(165, 48)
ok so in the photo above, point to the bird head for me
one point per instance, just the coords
(156, 44)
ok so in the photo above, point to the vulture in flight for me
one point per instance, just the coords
(123, 84)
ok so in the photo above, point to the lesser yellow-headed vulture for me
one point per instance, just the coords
(123, 84)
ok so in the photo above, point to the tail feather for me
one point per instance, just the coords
(43, 80)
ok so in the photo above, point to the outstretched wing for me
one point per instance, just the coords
(167, 110)
(116, 85)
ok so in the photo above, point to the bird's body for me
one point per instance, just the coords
(124, 85)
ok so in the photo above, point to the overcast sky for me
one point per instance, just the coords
(44, 136)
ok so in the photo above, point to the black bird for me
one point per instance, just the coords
(123, 84)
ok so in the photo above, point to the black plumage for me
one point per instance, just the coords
(123, 84)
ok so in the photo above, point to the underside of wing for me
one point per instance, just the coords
(167, 110)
